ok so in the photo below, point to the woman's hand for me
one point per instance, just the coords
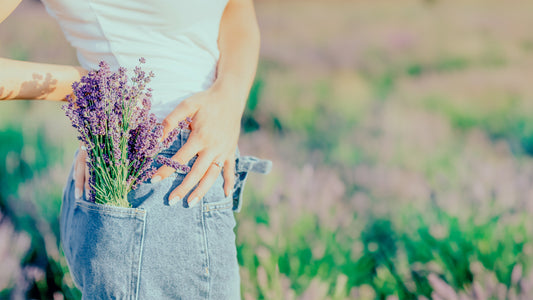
(216, 113)
(215, 129)
(81, 174)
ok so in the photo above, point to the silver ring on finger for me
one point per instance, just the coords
(218, 164)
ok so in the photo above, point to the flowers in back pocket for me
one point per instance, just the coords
(112, 115)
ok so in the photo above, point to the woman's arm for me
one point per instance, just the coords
(238, 43)
(8, 6)
(27, 80)
(36, 81)
(216, 113)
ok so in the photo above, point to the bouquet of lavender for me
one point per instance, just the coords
(112, 115)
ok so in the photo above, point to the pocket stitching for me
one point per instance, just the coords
(223, 204)
(110, 210)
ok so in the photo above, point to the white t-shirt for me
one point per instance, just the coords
(177, 38)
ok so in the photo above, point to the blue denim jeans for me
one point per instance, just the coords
(153, 250)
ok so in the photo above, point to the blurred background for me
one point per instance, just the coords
(402, 143)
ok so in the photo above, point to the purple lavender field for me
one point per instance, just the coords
(402, 142)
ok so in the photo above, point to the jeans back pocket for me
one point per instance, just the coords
(104, 249)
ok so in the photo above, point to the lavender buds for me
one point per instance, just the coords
(112, 115)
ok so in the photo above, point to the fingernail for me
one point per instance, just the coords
(193, 202)
(77, 193)
(174, 200)
(156, 179)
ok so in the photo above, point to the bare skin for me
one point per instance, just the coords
(215, 113)
(36, 81)
(8, 6)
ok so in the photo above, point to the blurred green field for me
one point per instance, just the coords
(402, 144)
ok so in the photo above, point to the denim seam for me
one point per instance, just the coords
(136, 263)
(206, 248)
(66, 194)
(226, 203)
(111, 210)
(75, 279)
(130, 291)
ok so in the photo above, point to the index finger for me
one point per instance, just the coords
(184, 111)
(183, 156)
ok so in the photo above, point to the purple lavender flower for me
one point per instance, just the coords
(112, 115)
(173, 164)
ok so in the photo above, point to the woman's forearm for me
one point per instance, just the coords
(26, 80)
(238, 43)
(8, 6)
(36, 81)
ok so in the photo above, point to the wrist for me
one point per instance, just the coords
(231, 90)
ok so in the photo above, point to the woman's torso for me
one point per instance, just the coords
(177, 38)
